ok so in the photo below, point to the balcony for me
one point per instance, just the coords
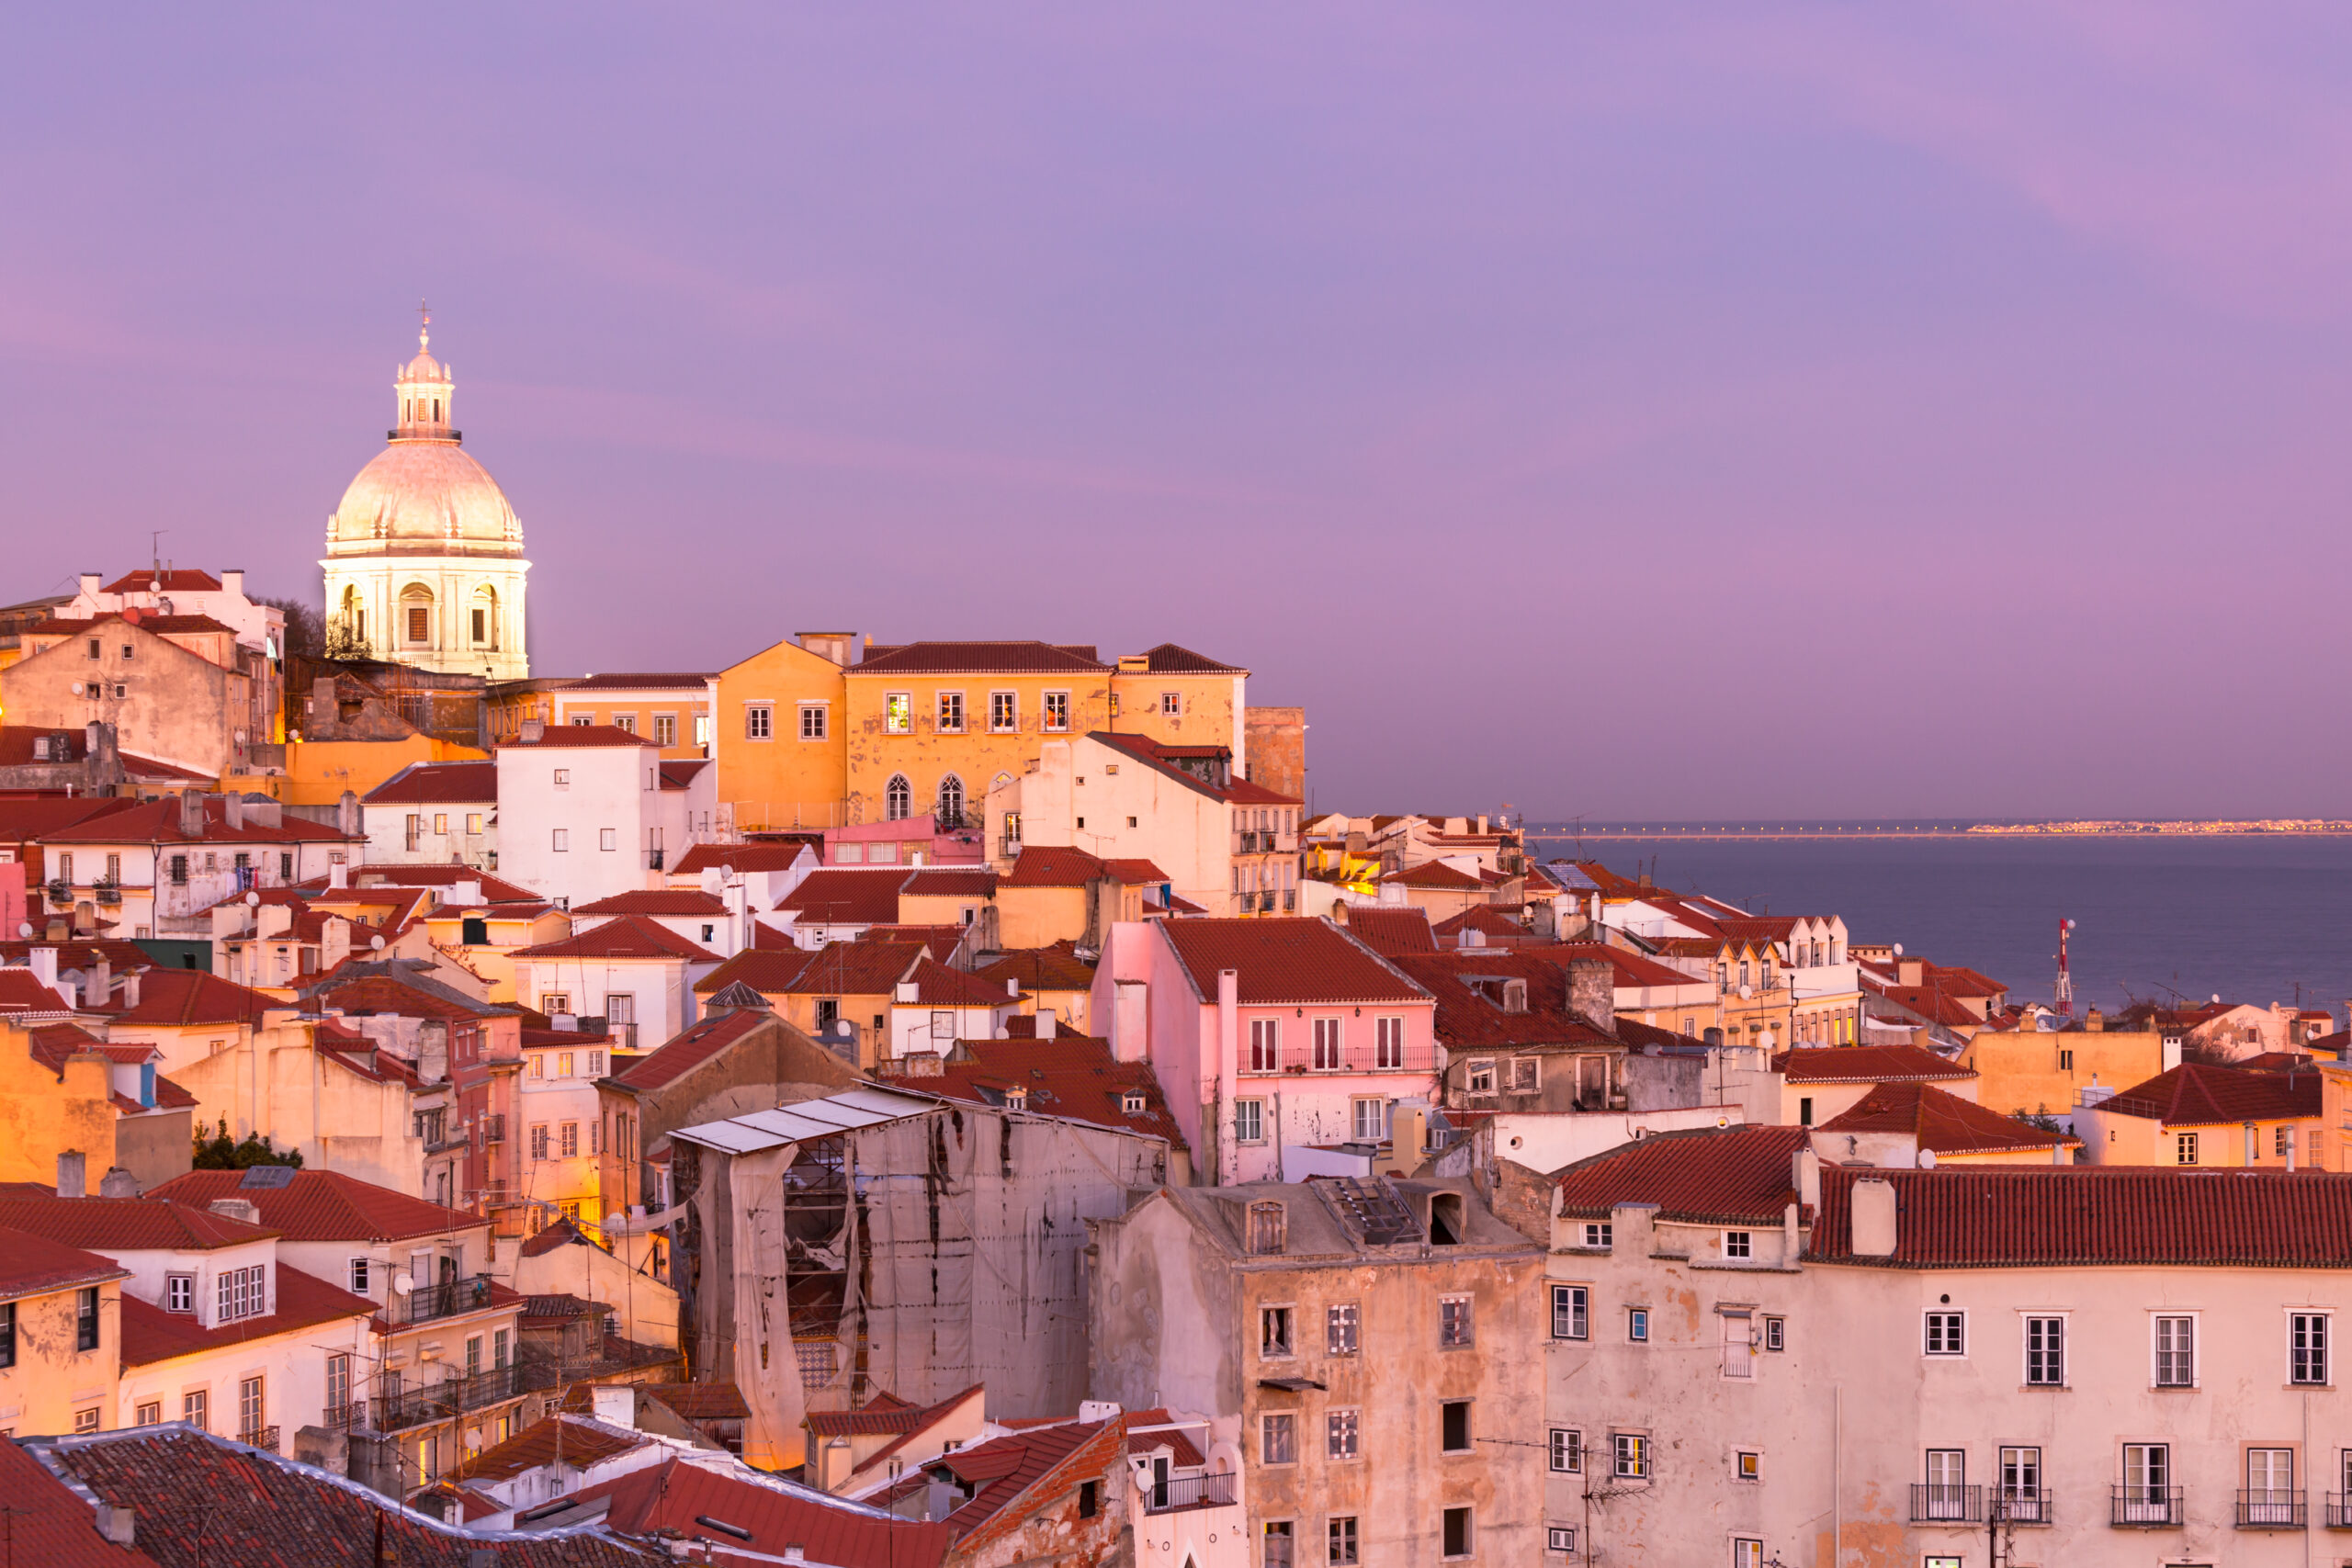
(2272, 1508)
(1179, 1494)
(1941, 1502)
(427, 1302)
(107, 895)
(493, 1127)
(2136, 1507)
(264, 1438)
(2338, 1514)
(1306, 1061)
(2021, 1506)
(653, 860)
(439, 1141)
(443, 1401)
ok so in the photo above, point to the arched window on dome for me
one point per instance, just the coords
(416, 616)
(897, 798)
(949, 813)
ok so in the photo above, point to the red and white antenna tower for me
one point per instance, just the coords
(2066, 980)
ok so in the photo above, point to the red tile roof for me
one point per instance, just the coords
(690, 1048)
(1280, 962)
(52, 1045)
(381, 994)
(655, 682)
(1391, 929)
(847, 896)
(1469, 1019)
(494, 890)
(838, 969)
(1168, 659)
(1433, 873)
(123, 1225)
(940, 942)
(1055, 969)
(2022, 1216)
(1941, 1121)
(169, 579)
(1935, 1005)
(573, 737)
(1865, 1064)
(745, 858)
(426, 784)
(885, 1414)
(1487, 920)
(978, 658)
(2197, 1094)
(579, 1443)
(1006, 1470)
(680, 773)
(940, 987)
(22, 992)
(1734, 1175)
(1632, 968)
(628, 936)
(1057, 865)
(1142, 1438)
(145, 620)
(35, 817)
(32, 1265)
(673, 901)
(676, 1495)
(158, 822)
(151, 1335)
(948, 882)
(1249, 792)
(50, 1525)
(1132, 871)
(768, 970)
(202, 1500)
(1068, 1076)
(323, 1205)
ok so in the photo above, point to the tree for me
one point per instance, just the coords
(306, 631)
(219, 1152)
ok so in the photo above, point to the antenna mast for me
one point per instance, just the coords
(2066, 998)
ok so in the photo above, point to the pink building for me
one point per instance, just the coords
(1271, 1039)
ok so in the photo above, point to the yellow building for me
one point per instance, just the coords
(2204, 1115)
(60, 1337)
(1896, 1123)
(51, 1106)
(2044, 1071)
(823, 731)
(671, 710)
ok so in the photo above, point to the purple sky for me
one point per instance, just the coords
(1818, 413)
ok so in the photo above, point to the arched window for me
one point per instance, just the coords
(416, 616)
(950, 812)
(897, 798)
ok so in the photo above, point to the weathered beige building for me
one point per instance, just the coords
(1365, 1343)
(1754, 1357)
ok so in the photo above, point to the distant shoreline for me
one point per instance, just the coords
(2268, 828)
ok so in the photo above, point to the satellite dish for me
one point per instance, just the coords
(1927, 1159)
(1898, 950)
(2217, 996)
(251, 899)
(2070, 925)
(403, 1283)
(726, 872)
(25, 929)
(375, 943)
(1745, 992)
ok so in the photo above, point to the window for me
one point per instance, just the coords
(1089, 1498)
(93, 649)
(1004, 711)
(626, 723)
(897, 798)
(1327, 1046)
(1273, 1331)
(1562, 1540)
(242, 1292)
(665, 729)
(1571, 1308)
(759, 721)
(613, 1009)
(561, 843)
(949, 811)
(550, 1003)
(148, 1415)
(251, 1409)
(2021, 1485)
(563, 1064)
(419, 623)
(86, 1318)
(1453, 1331)
(8, 1352)
(1057, 721)
(2270, 1498)
(608, 840)
(1630, 1456)
(1456, 1531)
(1748, 1465)
(498, 1349)
(1747, 1552)
(538, 1140)
(583, 720)
(2307, 1346)
(2045, 1353)
(1739, 1345)
(1266, 1224)
(1597, 1237)
(1805, 1110)
(1637, 1325)
(1370, 1121)
(2185, 1149)
(570, 1139)
(179, 1292)
(812, 721)
(2281, 1140)
(897, 712)
(1266, 1045)
(1341, 1325)
(1388, 1043)
(1526, 1074)
(1342, 1535)
(1947, 1333)
(1568, 1451)
(1776, 1334)
(1278, 1540)
(196, 1409)
(2175, 1352)
(1737, 1243)
(1480, 1077)
(338, 1382)
(1947, 1495)
(1249, 1121)
(86, 1420)
(179, 871)
(2147, 1483)
(1278, 1440)
(1453, 1427)
(1341, 1431)
(950, 713)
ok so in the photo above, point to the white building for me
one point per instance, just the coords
(425, 556)
(581, 812)
(635, 975)
(434, 814)
(181, 591)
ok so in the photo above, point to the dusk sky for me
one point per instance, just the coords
(1816, 412)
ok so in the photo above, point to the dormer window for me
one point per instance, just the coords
(1266, 1228)
(1131, 1102)
(1016, 1099)
(1479, 1077)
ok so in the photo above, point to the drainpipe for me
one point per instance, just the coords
(1837, 1473)
(1229, 1052)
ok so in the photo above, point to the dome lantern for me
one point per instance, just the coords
(423, 390)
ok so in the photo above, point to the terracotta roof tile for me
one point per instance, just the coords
(1168, 658)
(51, 1524)
(654, 681)
(124, 1224)
(1391, 929)
(158, 822)
(151, 1335)
(627, 936)
(1737, 1175)
(581, 1442)
(690, 1048)
(425, 783)
(32, 1265)
(571, 737)
(1055, 969)
(1068, 1076)
(672, 901)
(940, 987)
(978, 658)
(676, 1495)
(2197, 1094)
(948, 882)
(1281, 962)
(1866, 1064)
(745, 858)
(1468, 1018)
(322, 1205)
(169, 579)
(845, 896)
(768, 970)
(1941, 1121)
(1433, 873)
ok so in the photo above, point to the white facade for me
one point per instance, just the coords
(182, 592)
(644, 1001)
(425, 556)
(579, 813)
(432, 832)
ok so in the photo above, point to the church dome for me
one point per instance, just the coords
(422, 495)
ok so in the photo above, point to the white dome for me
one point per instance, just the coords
(425, 497)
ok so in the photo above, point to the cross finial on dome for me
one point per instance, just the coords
(424, 330)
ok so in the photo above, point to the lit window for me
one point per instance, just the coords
(1630, 1456)
(1058, 713)
(950, 713)
(1171, 704)
(1748, 1465)
(1004, 711)
(897, 713)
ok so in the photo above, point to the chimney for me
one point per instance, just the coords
(534, 732)
(117, 1524)
(233, 581)
(42, 961)
(465, 894)
(236, 1209)
(1408, 1134)
(118, 1183)
(1011, 986)
(191, 814)
(613, 1404)
(1804, 1175)
(100, 986)
(233, 810)
(1592, 992)
(130, 989)
(347, 815)
(1130, 1019)
(2094, 1021)
(90, 584)
(1229, 1021)
(265, 812)
(70, 1165)
(338, 874)
(1873, 1217)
